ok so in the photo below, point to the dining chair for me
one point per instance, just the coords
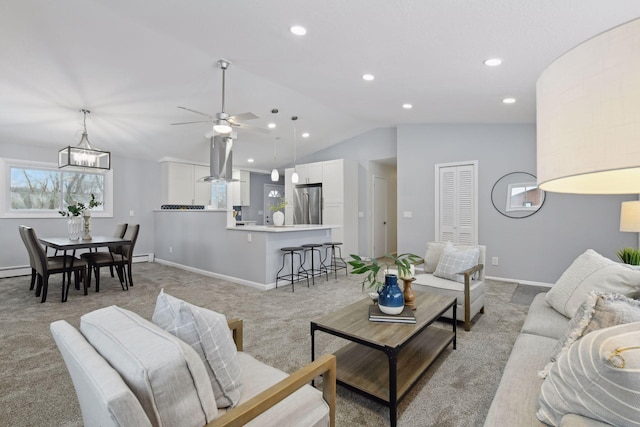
(46, 266)
(118, 257)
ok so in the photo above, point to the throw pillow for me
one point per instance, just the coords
(591, 271)
(598, 377)
(164, 373)
(453, 261)
(432, 255)
(208, 333)
(599, 311)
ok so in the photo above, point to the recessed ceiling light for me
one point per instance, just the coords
(407, 106)
(305, 135)
(492, 62)
(298, 30)
(368, 77)
(509, 101)
(271, 125)
(250, 160)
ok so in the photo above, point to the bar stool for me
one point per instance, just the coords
(337, 262)
(322, 269)
(293, 277)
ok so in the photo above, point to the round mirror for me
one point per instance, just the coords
(516, 195)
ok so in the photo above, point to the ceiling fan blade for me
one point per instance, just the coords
(188, 123)
(243, 116)
(197, 112)
(252, 128)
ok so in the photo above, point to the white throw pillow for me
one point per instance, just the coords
(599, 311)
(591, 271)
(598, 377)
(432, 255)
(165, 374)
(453, 261)
(208, 333)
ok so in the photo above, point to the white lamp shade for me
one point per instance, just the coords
(588, 116)
(294, 177)
(275, 176)
(630, 216)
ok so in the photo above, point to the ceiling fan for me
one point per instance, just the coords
(223, 123)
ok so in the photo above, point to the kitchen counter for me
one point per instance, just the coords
(281, 229)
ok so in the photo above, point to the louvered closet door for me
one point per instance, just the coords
(457, 207)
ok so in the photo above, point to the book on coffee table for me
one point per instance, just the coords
(406, 316)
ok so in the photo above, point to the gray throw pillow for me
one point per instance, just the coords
(598, 377)
(600, 310)
(453, 261)
(208, 333)
(432, 255)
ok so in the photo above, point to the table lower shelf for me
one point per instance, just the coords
(367, 369)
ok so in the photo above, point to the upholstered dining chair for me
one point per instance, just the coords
(118, 257)
(45, 266)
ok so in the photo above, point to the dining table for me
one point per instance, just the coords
(65, 245)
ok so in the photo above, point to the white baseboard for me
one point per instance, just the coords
(256, 285)
(520, 282)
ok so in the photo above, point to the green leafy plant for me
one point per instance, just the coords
(280, 206)
(78, 208)
(629, 256)
(371, 267)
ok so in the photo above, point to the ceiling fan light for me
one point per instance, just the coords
(222, 126)
(275, 175)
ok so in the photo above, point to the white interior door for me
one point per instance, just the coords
(273, 194)
(379, 216)
(457, 203)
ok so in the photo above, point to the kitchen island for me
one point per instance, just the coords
(209, 243)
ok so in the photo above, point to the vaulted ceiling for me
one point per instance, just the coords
(132, 62)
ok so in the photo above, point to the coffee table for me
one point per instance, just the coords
(384, 360)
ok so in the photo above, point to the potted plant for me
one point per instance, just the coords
(371, 267)
(74, 211)
(278, 215)
(629, 256)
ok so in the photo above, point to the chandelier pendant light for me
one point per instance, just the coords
(294, 175)
(275, 175)
(84, 155)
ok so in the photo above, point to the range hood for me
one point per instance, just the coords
(221, 156)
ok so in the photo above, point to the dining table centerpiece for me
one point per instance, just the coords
(79, 215)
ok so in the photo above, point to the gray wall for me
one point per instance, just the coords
(136, 187)
(538, 248)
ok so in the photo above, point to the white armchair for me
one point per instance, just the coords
(456, 270)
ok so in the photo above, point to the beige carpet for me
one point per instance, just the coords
(456, 391)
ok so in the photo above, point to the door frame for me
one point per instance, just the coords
(374, 231)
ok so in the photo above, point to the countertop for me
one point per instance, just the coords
(282, 229)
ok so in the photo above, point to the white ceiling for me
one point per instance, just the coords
(131, 62)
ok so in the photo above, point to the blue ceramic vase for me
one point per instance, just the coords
(390, 298)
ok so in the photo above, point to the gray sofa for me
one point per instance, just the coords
(516, 401)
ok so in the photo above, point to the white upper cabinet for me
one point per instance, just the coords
(241, 190)
(333, 181)
(180, 184)
(310, 173)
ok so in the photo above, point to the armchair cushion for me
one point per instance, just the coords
(432, 255)
(207, 332)
(453, 261)
(591, 271)
(165, 374)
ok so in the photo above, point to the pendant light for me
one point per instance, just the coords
(275, 175)
(294, 175)
(84, 155)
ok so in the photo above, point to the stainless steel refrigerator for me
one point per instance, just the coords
(307, 204)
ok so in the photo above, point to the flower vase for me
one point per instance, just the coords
(87, 225)
(74, 224)
(278, 219)
(390, 299)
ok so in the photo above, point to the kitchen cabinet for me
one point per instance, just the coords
(241, 190)
(180, 184)
(309, 173)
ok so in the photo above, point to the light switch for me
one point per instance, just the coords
(360, 214)
(407, 214)
(248, 237)
(131, 212)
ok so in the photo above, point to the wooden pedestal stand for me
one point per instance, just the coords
(409, 295)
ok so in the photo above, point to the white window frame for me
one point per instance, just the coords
(5, 199)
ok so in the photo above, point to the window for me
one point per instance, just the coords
(33, 189)
(219, 194)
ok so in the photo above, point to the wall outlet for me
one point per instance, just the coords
(494, 260)
(131, 212)
(170, 249)
(407, 214)
(248, 237)
(360, 214)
